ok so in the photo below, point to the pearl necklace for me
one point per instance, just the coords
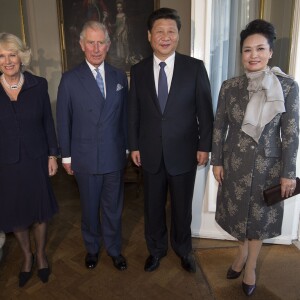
(13, 86)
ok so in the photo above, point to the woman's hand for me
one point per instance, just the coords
(52, 165)
(218, 172)
(287, 187)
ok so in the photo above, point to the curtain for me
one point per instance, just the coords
(228, 18)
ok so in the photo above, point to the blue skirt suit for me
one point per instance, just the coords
(27, 139)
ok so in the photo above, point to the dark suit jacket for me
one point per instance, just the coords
(93, 130)
(183, 128)
(33, 126)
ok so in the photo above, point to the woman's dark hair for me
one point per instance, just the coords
(261, 27)
(164, 13)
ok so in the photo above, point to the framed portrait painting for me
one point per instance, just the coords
(12, 18)
(126, 21)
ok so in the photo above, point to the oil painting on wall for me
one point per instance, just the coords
(126, 21)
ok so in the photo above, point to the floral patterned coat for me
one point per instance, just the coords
(251, 167)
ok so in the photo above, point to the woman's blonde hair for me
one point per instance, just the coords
(10, 42)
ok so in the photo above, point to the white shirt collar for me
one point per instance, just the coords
(101, 68)
(169, 61)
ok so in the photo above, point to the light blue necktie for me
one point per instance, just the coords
(100, 82)
(162, 92)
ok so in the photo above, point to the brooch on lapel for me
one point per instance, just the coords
(119, 87)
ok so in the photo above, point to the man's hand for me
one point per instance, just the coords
(136, 158)
(67, 167)
(202, 158)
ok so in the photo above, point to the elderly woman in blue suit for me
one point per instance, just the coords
(28, 150)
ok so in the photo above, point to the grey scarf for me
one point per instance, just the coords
(266, 100)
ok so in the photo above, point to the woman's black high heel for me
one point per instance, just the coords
(248, 288)
(231, 274)
(25, 276)
(44, 273)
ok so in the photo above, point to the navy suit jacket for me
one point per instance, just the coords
(33, 126)
(93, 130)
(186, 125)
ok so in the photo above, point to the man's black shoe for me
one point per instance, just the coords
(188, 263)
(91, 260)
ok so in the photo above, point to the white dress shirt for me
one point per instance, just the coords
(169, 68)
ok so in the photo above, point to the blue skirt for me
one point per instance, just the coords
(26, 194)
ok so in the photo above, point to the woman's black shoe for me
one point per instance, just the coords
(248, 289)
(25, 276)
(43, 274)
(231, 274)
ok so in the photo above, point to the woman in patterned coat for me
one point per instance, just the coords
(255, 143)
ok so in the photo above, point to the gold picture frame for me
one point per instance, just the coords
(124, 51)
(12, 18)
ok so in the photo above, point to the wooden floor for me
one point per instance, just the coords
(71, 280)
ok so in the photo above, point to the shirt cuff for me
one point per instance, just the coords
(66, 160)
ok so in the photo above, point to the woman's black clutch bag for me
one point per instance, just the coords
(273, 195)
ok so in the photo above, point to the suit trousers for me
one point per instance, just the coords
(101, 198)
(181, 188)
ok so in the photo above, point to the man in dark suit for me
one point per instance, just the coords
(170, 129)
(92, 130)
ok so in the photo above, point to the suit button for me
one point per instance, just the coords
(252, 147)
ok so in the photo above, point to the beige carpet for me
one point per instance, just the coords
(278, 273)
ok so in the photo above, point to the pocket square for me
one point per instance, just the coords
(119, 87)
